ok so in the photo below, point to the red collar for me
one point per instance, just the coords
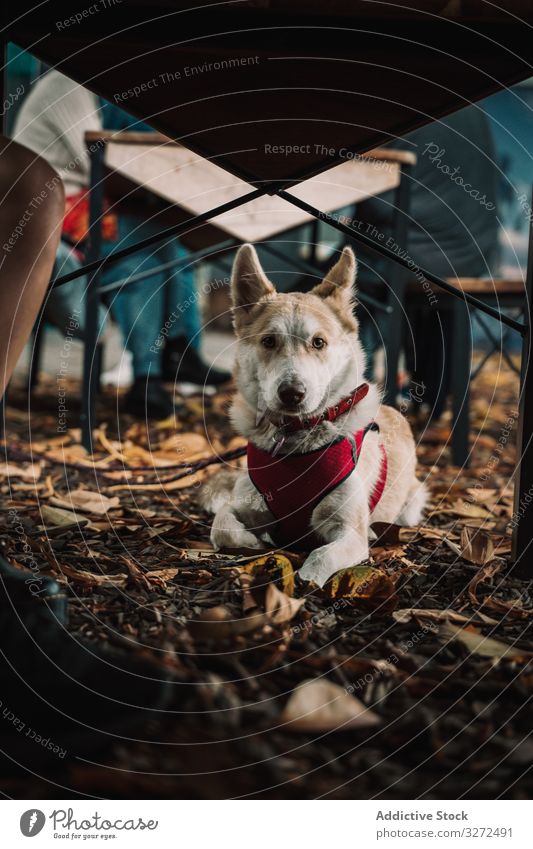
(291, 424)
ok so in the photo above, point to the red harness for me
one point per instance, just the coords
(293, 484)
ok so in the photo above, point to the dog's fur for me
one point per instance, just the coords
(328, 374)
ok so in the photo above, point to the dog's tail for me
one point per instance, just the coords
(218, 489)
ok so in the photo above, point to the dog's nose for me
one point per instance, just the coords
(291, 394)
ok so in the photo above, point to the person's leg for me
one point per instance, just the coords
(31, 213)
(182, 296)
(138, 308)
(183, 329)
(65, 305)
(71, 692)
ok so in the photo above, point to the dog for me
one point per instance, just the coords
(325, 456)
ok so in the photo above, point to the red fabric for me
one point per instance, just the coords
(329, 415)
(293, 485)
(76, 220)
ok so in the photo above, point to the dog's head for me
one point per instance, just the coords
(296, 351)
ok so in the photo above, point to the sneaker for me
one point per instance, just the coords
(148, 399)
(183, 364)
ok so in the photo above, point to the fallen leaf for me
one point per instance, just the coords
(467, 510)
(112, 447)
(171, 486)
(275, 567)
(10, 470)
(90, 579)
(476, 546)
(486, 573)
(407, 614)
(87, 501)
(511, 609)
(279, 607)
(363, 583)
(457, 550)
(218, 623)
(161, 576)
(185, 445)
(58, 517)
(319, 705)
(483, 496)
(388, 533)
(437, 533)
(477, 643)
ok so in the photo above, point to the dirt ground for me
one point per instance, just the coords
(414, 669)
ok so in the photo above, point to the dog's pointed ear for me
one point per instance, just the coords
(339, 283)
(249, 283)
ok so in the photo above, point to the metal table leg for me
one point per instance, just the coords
(90, 342)
(396, 296)
(522, 522)
(461, 355)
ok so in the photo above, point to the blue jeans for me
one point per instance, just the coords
(162, 306)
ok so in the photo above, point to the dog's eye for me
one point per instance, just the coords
(268, 342)
(318, 342)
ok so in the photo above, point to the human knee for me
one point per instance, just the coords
(31, 183)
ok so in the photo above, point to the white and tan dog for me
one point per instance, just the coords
(300, 376)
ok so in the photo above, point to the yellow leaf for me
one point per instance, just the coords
(363, 582)
(276, 567)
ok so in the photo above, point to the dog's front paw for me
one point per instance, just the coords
(318, 568)
(234, 539)
(228, 532)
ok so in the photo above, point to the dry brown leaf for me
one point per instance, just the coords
(57, 517)
(319, 705)
(384, 554)
(89, 579)
(263, 605)
(218, 623)
(388, 533)
(10, 470)
(476, 546)
(477, 643)
(279, 607)
(486, 573)
(407, 614)
(111, 446)
(181, 483)
(87, 501)
(437, 533)
(512, 609)
(161, 576)
(467, 510)
(457, 550)
(185, 445)
(76, 454)
(483, 496)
